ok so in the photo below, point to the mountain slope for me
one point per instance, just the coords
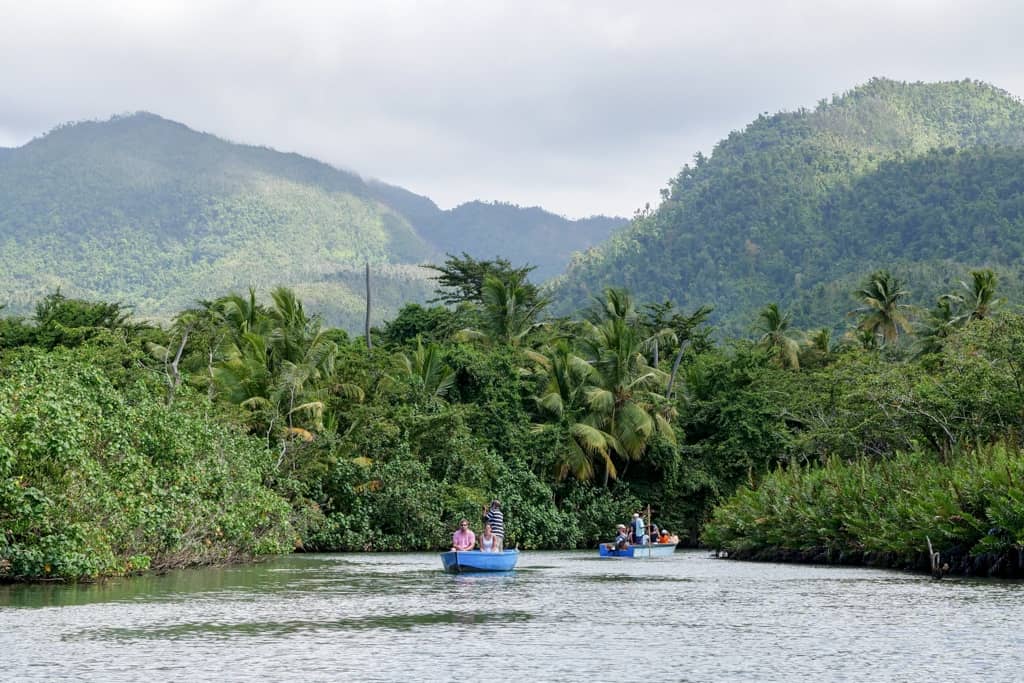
(156, 215)
(540, 238)
(151, 213)
(801, 200)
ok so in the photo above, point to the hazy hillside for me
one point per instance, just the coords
(153, 214)
(522, 235)
(926, 179)
(488, 229)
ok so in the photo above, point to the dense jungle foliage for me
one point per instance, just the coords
(925, 178)
(247, 427)
(145, 210)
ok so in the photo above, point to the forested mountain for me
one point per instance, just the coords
(924, 179)
(542, 238)
(151, 213)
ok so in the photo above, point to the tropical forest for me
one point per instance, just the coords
(810, 351)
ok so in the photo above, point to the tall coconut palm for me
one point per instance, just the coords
(561, 402)
(510, 310)
(821, 341)
(940, 322)
(277, 363)
(881, 312)
(978, 297)
(239, 314)
(774, 325)
(623, 399)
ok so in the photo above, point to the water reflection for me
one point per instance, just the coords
(233, 631)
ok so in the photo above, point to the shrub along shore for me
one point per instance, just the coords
(896, 513)
(246, 428)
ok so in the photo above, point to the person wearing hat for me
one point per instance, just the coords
(621, 541)
(638, 529)
(496, 519)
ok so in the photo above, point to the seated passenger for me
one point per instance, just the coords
(464, 538)
(488, 541)
(621, 541)
(664, 538)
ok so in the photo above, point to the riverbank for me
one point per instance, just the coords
(1005, 565)
(891, 513)
(100, 476)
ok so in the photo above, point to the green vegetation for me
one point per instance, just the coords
(245, 428)
(145, 210)
(98, 476)
(879, 407)
(799, 206)
(886, 453)
(879, 512)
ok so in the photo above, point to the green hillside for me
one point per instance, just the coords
(151, 213)
(483, 229)
(146, 211)
(924, 179)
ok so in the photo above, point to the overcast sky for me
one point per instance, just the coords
(580, 107)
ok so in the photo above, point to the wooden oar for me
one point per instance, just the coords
(650, 544)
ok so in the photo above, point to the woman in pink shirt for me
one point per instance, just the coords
(464, 538)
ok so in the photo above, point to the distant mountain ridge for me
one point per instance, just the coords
(925, 179)
(149, 212)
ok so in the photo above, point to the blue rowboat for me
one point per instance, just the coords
(639, 551)
(461, 561)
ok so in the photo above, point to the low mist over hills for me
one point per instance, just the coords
(926, 180)
(148, 212)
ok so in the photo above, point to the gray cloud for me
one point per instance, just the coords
(581, 107)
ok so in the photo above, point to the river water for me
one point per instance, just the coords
(559, 616)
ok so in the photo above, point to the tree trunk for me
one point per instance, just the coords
(175, 378)
(675, 368)
(369, 344)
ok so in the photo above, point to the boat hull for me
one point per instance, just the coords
(639, 551)
(463, 561)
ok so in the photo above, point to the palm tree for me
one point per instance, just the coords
(821, 341)
(562, 399)
(427, 370)
(939, 324)
(774, 325)
(278, 364)
(980, 295)
(623, 400)
(510, 310)
(603, 395)
(238, 314)
(881, 309)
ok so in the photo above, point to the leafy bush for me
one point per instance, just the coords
(96, 480)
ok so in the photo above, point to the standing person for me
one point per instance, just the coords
(463, 538)
(496, 519)
(638, 529)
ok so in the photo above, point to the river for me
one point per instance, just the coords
(560, 616)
